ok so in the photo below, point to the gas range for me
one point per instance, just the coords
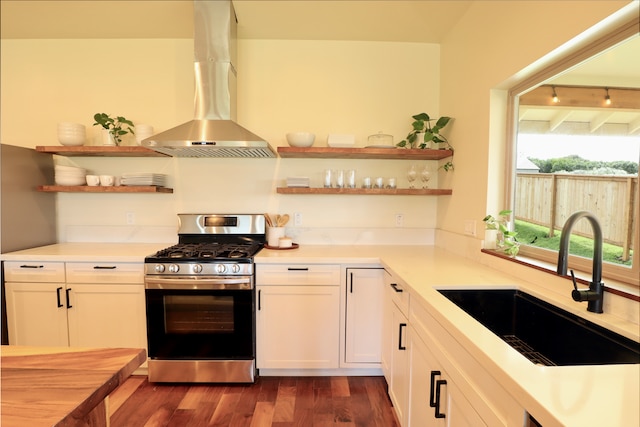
(211, 244)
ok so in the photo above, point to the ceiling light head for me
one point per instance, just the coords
(554, 95)
(607, 98)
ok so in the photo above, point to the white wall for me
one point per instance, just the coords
(341, 87)
(321, 86)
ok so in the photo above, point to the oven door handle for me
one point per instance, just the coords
(230, 283)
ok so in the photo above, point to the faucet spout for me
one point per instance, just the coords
(594, 295)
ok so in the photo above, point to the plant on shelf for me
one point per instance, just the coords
(506, 239)
(422, 125)
(424, 135)
(117, 127)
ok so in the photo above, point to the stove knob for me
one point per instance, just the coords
(235, 268)
(174, 268)
(159, 268)
(221, 268)
(197, 268)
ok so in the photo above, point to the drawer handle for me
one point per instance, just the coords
(298, 269)
(432, 400)
(68, 299)
(31, 266)
(104, 267)
(259, 299)
(58, 296)
(400, 346)
(395, 287)
(439, 384)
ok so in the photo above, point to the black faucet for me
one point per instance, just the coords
(594, 294)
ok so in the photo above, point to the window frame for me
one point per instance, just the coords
(618, 34)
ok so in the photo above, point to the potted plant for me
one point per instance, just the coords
(424, 135)
(116, 128)
(506, 239)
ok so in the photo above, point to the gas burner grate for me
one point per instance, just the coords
(209, 251)
(527, 351)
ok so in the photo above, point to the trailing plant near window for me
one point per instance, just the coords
(506, 238)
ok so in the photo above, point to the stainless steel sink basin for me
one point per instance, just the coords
(542, 332)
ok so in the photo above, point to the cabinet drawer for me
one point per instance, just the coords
(298, 274)
(33, 271)
(104, 272)
(400, 292)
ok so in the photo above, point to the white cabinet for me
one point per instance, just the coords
(79, 304)
(435, 400)
(363, 322)
(298, 316)
(395, 344)
(36, 303)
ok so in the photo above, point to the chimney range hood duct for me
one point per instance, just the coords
(213, 132)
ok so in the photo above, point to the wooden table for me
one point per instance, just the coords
(62, 386)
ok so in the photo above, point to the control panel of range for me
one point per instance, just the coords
(206, 269)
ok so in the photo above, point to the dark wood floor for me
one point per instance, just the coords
(271, 401)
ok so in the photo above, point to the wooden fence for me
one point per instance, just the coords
(549, 199)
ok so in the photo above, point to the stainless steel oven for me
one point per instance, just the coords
(200, 299)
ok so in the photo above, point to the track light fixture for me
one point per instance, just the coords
(607, 98)
(554, 95)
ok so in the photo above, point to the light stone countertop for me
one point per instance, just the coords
(606, 395)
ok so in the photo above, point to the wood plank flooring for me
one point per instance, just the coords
(270, 401)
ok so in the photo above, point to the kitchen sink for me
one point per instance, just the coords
(542, 332)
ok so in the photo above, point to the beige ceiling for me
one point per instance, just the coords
(395, 20)
(365, 20)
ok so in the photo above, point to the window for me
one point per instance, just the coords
(572, 150)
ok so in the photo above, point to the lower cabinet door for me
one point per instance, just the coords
(37, 314)
(365, 291)
(435, 400)
(107, 315)
(298, 327)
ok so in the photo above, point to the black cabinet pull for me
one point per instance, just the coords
(68, 299)
(259, 295)
(31, 266)
(351, 287)
(400, 346)
(432, 400)
(58, 296)
(395, 287)
(298, 268)
(439, 384)
(104, 267)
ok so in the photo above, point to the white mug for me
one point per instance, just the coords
(93, 180)
(106, 180)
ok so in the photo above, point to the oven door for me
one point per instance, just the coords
(200, 318)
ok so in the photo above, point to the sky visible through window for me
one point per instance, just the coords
(596, 148)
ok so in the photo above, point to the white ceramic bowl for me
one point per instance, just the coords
(62, 168)
(70, 180)
(300, 139)
(72, 139)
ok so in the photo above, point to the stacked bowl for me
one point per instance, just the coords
(70, 175)
(71, 133)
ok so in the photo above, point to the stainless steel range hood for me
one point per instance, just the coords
(213, 132)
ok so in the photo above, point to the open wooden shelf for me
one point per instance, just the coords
(362, 153)
(368, 191)
(100, 189)
(100, 151)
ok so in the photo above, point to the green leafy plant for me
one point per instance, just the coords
(422, 124)
(506, 238)
(117, 127)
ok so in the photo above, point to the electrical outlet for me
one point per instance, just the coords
(470, 227)
(297, 219)
(399, 220)
(131, 218)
